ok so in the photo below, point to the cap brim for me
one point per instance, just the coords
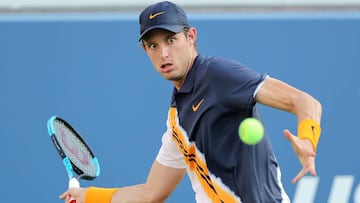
(171, 28)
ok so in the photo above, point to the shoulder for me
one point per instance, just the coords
(226, 70)
(221, 67)
(212, 66)
(220, 62)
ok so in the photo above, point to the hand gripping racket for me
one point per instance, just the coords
(80, 162)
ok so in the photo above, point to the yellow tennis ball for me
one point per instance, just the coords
(251, 131)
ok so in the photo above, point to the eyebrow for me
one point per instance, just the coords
(168, 34)
(165, 32)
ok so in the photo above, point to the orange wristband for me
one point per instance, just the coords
(309, 129)
(99, 195)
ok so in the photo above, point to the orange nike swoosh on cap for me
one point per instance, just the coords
(152, 16)
(196, 107)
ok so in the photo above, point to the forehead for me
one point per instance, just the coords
(157, 33)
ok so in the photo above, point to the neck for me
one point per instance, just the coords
(178, 84)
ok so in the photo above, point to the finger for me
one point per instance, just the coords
(307, 148)
(64, 195)
(66, 198)
(288, 134)
(298, 144)
(313, 170)
(301, 174)
(292, 138)
(310, 153)
(309, 168)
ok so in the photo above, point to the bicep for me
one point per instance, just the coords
(277, 94)
(280, 95)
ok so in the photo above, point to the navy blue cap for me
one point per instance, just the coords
(163, 15)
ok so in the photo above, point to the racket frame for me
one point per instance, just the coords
(69, 165)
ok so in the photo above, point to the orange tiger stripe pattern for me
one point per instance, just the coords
(215, 191)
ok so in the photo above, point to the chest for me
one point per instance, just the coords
(194, 109)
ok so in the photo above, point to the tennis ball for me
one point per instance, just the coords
(251, 131)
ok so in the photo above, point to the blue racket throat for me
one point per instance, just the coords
(68, 167)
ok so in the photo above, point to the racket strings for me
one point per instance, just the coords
(75, 149)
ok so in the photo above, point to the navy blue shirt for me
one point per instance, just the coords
(204, 117)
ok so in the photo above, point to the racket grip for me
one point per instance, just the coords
(72, 200)
(73, 183)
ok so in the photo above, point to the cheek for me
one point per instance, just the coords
(154, 61)
(151, 56)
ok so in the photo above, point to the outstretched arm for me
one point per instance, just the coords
(279, 95)
(160, 183)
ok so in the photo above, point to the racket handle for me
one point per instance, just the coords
(72, 200)
(73, 183)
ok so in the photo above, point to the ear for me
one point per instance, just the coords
(143, 46)
(192, 34)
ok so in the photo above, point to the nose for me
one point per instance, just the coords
(164, 52)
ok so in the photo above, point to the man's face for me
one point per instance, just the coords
(171, 54)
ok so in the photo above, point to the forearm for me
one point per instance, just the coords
(308, 111)
(307, 107)
(132, 194)
(161, 182)
(135, 194)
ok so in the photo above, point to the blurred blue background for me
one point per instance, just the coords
(90, 70)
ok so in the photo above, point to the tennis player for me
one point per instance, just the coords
(211, 96)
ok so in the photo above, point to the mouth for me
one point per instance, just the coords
(166, 67)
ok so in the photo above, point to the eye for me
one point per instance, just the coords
(151, 46)
(171, 40)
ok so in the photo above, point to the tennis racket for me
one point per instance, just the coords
(80, 162)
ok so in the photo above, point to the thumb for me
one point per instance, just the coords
(293, 139)
(288, 135)
(65, 195)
